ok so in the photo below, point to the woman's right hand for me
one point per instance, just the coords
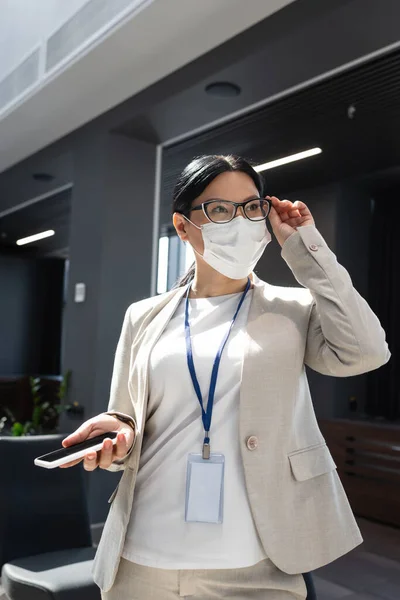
(97, 426)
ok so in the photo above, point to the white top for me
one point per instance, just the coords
(158, 535)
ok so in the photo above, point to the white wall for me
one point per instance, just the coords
(24, 23)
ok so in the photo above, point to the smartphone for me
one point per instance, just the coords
(66, 455)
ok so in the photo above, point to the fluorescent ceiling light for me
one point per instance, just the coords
(35, 238)
(287, 159)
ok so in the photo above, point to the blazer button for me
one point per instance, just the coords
(252, 442)
(314, 247)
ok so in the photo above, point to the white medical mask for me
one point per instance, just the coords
(233, 249)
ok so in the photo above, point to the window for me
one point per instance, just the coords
(174, 259)
(162, 275)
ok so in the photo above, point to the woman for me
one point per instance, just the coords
(229, 489)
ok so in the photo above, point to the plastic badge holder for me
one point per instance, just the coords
(205, 489)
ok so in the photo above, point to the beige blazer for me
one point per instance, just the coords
(298, 503)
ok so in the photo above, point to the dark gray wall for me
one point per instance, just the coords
(111, 252)
(353, 243)
(30, 315)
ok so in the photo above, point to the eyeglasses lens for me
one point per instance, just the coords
(220, 211)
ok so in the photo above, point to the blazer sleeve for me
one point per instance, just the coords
(120, 402)
(344, 336)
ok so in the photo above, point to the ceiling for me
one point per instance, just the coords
(355, 142)
(18, 185)
(52, 213)
(293, 48)
(286, 66)
(362, 143)
(119, 64)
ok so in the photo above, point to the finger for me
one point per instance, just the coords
(121, 447)
(273, 199)
(284, 216)
(283, 209)
(302, 208)
(80, 435)
(285, 206)
(276, 201)
(279, 205)
(274, 218)
(293, 210)
(90, 461)
(71, 464)
(106, 454)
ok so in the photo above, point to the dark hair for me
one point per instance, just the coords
(197, 176)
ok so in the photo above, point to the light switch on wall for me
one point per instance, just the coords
(80, 292)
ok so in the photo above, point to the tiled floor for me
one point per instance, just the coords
(370, 572)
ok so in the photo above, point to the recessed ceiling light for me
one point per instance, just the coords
(287, 159)
(35, 238)
(223, 89)
(43, 177)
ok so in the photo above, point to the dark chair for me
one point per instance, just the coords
(311, 593)
(45, 539)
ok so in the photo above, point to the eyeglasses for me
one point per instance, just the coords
(223, 211)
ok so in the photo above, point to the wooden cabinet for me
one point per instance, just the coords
(368, 459)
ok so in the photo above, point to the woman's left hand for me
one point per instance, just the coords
(285, 217)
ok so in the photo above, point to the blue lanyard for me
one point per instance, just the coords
(207, 415)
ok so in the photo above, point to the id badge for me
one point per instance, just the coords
(205, 489)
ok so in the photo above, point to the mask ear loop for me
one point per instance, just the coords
(191, 222)
(197, 227)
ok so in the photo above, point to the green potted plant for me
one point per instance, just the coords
(45, 415)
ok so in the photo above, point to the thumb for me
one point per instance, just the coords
(80, 435)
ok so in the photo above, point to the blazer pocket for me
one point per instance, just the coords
(311, 462)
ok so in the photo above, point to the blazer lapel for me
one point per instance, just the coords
(141, 350)
(259, 352)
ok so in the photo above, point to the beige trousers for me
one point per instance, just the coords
(263, 581)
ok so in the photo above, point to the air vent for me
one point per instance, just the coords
(94, 15)
(19, 80)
